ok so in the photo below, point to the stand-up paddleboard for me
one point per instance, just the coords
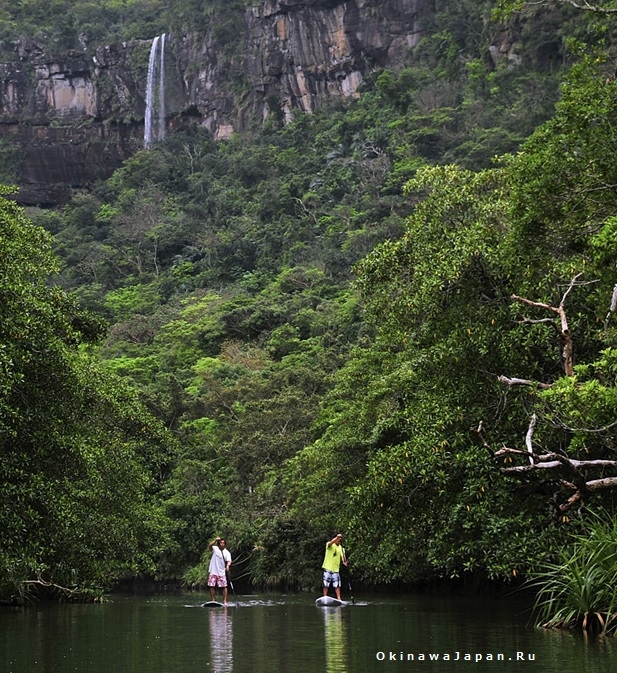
(329, 602)
(213, 604)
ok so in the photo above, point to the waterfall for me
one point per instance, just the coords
(162, 90)
(154, 122)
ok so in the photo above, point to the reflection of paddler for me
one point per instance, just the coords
(221, 641)
(335, 553)
(336, 651)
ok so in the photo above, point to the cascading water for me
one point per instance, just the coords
(154, 123)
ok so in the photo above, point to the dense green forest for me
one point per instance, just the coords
(393, 317)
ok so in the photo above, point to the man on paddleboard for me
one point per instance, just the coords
(332, 564)
(220, 562)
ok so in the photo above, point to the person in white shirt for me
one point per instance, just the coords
(220, 562)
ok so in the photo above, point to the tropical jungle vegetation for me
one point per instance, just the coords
(393, 317)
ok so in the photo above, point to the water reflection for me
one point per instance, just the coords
(221, 640)
(282, 634)
(336, 641)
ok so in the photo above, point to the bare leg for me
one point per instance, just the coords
(225, 595)
(338, 592)
(212, 590)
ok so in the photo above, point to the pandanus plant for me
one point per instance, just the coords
(579, 589)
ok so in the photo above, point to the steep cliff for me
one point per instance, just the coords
(65, 122)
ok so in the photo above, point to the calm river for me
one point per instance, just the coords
(288, 634)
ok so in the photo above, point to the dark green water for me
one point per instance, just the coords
(285, 634)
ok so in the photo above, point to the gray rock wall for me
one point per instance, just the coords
(75, 119)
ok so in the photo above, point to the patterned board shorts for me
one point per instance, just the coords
(217, 580)
(331, 579)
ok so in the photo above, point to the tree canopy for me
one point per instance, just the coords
(393, 317)
(80, 457)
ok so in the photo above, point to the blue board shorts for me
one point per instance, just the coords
(331, 579)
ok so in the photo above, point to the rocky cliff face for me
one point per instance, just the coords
(66, 122)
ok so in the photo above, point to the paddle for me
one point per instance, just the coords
(349, 585)
(231, 584)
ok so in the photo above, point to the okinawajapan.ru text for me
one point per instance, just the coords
(454, 656)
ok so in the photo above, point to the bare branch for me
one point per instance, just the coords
(521, 382)
(574, 471)
(573, 476)
(68, 592)
(570, 473)
(554, 464)
(567, 292)
(583, 5)
(478, 430)
(569, 503)
(614, 300)
(529, 435)
(599, 484)
(529, 321)
(564, 330)
(588, 7)
(604, 428)
(612, 308)
(537, 304)
(568, 356)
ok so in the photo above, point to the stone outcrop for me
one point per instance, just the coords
(65, 122)
(303, 53)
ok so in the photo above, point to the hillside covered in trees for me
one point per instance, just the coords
(393, 317)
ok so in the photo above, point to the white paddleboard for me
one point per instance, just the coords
(329, 602)
(212, 604)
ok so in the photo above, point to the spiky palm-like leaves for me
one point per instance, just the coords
(578, 590)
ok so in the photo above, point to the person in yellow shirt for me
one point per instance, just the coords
(335, 553)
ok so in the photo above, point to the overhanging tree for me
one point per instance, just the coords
(477, 249)
(80, 459)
